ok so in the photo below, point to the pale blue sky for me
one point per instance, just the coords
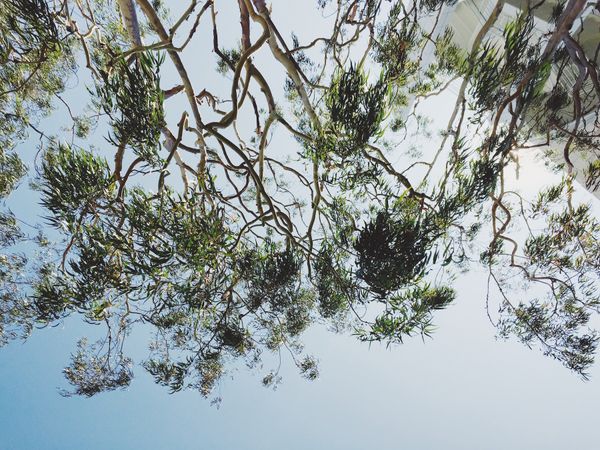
(461, 390)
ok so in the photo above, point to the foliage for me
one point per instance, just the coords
(71, 182)
(182, 208)
(392, 249)
(356, 111)
(130, 94)
(34, 61)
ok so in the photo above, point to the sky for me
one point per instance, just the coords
(461, 390)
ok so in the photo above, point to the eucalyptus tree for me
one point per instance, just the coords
(228, 218)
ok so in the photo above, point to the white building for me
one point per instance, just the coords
(467, 17)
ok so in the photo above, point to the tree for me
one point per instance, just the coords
(194, 220)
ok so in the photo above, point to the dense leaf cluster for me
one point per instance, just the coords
(356, 111)
(130, 94)
(392, 249)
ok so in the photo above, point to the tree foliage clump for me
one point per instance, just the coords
(34, 61)
(409, 313)
(71, 182)
(392, 249)
(356, 111)
(90, 374)
(130, 94)
(184, 208)
(12, 170)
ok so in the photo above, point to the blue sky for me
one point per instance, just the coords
(461, 390)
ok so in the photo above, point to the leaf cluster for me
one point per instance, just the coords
(130, 94)
(356, 111)
(392, 248)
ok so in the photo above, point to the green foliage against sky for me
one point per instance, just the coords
(228, 218)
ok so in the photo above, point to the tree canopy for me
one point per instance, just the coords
(228, 182)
